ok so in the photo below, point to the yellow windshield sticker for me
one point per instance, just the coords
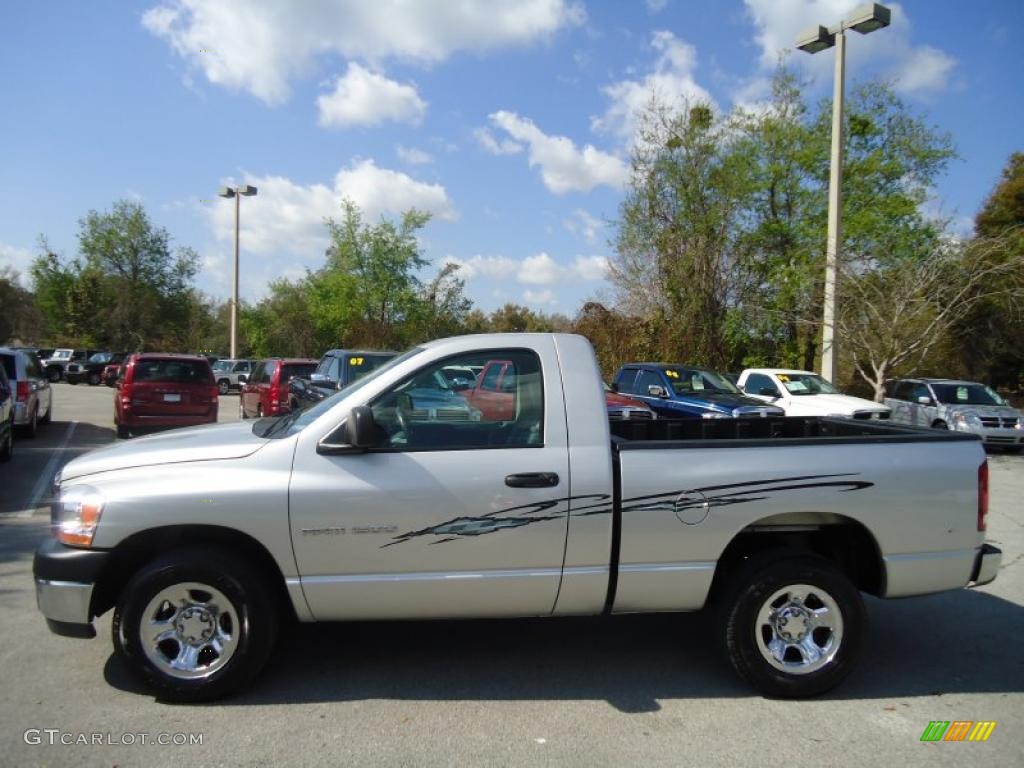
(783, 377)
(355, 361)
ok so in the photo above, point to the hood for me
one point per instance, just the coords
(1003, 411)
(829, 404)
(622, 401)
(721, 401)
(205, 443)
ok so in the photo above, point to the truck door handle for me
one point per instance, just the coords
(532, 480)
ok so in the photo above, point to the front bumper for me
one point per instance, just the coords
(986, 565)
(65, 577)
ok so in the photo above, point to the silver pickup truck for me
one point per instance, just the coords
(367, 506)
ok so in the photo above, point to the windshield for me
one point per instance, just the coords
(296, 421)
(63, 354)
(100, 357)
(966, 394)
(222, 366)
(806, 384)
(688, 381)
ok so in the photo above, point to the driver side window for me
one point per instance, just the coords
(426, 412)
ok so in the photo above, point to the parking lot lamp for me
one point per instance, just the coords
(245, 190)
(864, 19)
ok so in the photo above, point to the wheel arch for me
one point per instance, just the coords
(837, 538)
(132, 554)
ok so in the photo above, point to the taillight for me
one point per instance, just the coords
(213, 392)
(22, 391)
(275, 393)
(126, 394)
(983, 495)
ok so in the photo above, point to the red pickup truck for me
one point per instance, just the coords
(494, 396)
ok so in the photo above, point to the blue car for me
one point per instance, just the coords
(676, 391)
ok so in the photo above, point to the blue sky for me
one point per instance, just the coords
(510, 121)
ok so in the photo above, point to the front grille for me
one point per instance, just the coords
(997, 422)
(624, 414)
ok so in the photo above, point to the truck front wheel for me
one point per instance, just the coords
(793, 627)
(196, 624)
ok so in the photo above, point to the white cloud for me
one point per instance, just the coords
(924, 69)
(488, 142)
(586, 226)
(17, 258)
(656, 6)
(287, 217)
(362, 97)
(563, 167)
(538, 269)
(260, 45)
(671, 82)
(413, 156)
(916, 69)
(545, 298)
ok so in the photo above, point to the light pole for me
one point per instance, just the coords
(864, 19)
(246, 190)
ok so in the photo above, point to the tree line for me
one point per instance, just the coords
(718, 260)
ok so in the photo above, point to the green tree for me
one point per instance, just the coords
(990, 336)
(19, 318)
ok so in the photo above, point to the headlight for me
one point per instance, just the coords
(1020, 423)
(76, 515)
(966, 420)
(713, 415)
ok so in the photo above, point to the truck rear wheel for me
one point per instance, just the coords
(793, 627)
(196, 624)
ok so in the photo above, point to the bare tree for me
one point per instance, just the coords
(893, 316)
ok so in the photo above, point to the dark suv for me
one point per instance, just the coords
(91, 370)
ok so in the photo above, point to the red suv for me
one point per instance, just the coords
(265, 393)
(164, 390)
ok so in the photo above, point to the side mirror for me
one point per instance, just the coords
(924, 400)
(359, 434)
(656, 391)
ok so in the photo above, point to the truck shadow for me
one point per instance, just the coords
(950, 643)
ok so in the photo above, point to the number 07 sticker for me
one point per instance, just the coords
(355, 361)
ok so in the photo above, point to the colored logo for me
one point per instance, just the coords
(958, 730)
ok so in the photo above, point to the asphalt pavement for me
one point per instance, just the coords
(632, 690)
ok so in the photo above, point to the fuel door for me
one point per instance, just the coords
(692, 507)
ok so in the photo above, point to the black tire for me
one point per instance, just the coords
(7, 449)
(48, 416)
(241, 408)
(760, 579)
(259, 411)
(223, 386)
(249, 596)
(94, 379)
(939, 424)
(72, 382)
(53, 374)
(32, 427)
(123, 432)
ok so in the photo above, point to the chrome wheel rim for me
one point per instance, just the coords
(189, 630)
(799, 629)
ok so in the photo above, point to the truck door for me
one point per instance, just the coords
(453, 513)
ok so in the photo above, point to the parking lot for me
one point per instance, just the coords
(644, 690)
